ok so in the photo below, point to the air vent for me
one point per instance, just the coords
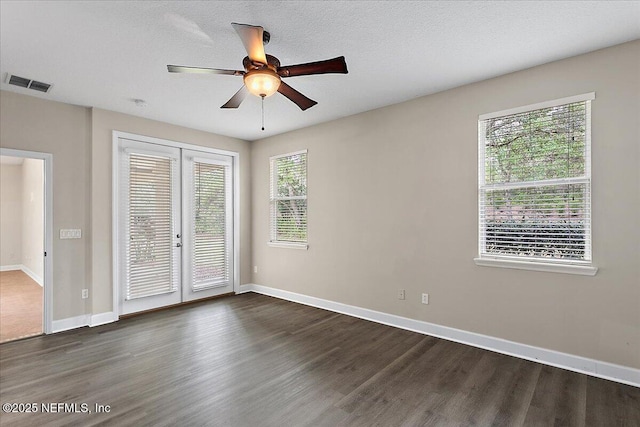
(42, 87)
(19, 81)
(27, 83)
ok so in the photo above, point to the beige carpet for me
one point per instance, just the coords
(21, 305)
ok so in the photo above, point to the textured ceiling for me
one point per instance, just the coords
(105, 54)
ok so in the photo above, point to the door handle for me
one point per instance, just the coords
(178, 245)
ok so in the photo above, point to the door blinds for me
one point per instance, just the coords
(209, 225)
(151, 263)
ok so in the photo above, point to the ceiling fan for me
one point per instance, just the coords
(263, 74)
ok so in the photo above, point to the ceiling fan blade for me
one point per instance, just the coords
(236, 99)
(299, 99)
(251, 37)
(335, 65)
(200, 70)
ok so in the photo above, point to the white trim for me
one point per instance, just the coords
(288, 245)
(115, 241)
(588, 254)
(11, 267)
(83, 320)
(70, 323)
(26, 270)
(539, 105)
(47, 158)
(48, 243)
(585, 270)
(293, 153)
(235, 194)
(102, 318)
(167, 142)
(243, 289)
(595, 368)
(541, 183)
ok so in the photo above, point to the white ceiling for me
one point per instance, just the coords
(105, 54)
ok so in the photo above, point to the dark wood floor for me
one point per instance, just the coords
(252, 360)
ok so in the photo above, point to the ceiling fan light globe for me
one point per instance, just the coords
(262, 83)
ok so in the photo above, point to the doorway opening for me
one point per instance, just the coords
(23, 244)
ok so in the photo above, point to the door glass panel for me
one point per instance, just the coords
(209, 226)
(150, 259)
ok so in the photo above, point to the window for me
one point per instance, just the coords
(534, 179)
(288, 208)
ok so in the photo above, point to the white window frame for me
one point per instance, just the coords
(505, 261)
(272, 217)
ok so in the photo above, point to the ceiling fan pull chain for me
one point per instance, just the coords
(262, 96)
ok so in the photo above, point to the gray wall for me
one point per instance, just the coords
(80, 140)
(28, 123)
(10, 215)
(33, 217)
(393, 204)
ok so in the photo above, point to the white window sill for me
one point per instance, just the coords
(288, 245)
(585, 270)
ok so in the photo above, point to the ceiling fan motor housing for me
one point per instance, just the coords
(272, 62)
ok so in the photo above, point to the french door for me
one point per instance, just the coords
(208, 225)
(175, 226)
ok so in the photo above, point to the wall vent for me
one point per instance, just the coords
(28, 83)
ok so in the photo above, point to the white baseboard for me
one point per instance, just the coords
(26, 270)
(596, 368)
(70, 323)
(102, 318)
(91, 320)
(38, 279)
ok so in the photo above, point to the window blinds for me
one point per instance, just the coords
(150, 262)
(211, 257)
(535, 184)
(289, 198)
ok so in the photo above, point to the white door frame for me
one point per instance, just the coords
(116, 135)
(48, 229)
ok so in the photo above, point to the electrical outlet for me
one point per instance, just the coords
(85, 293)
(400, 293)
(255, 268)
(425, 298)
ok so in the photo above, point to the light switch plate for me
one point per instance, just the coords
(70, 233)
